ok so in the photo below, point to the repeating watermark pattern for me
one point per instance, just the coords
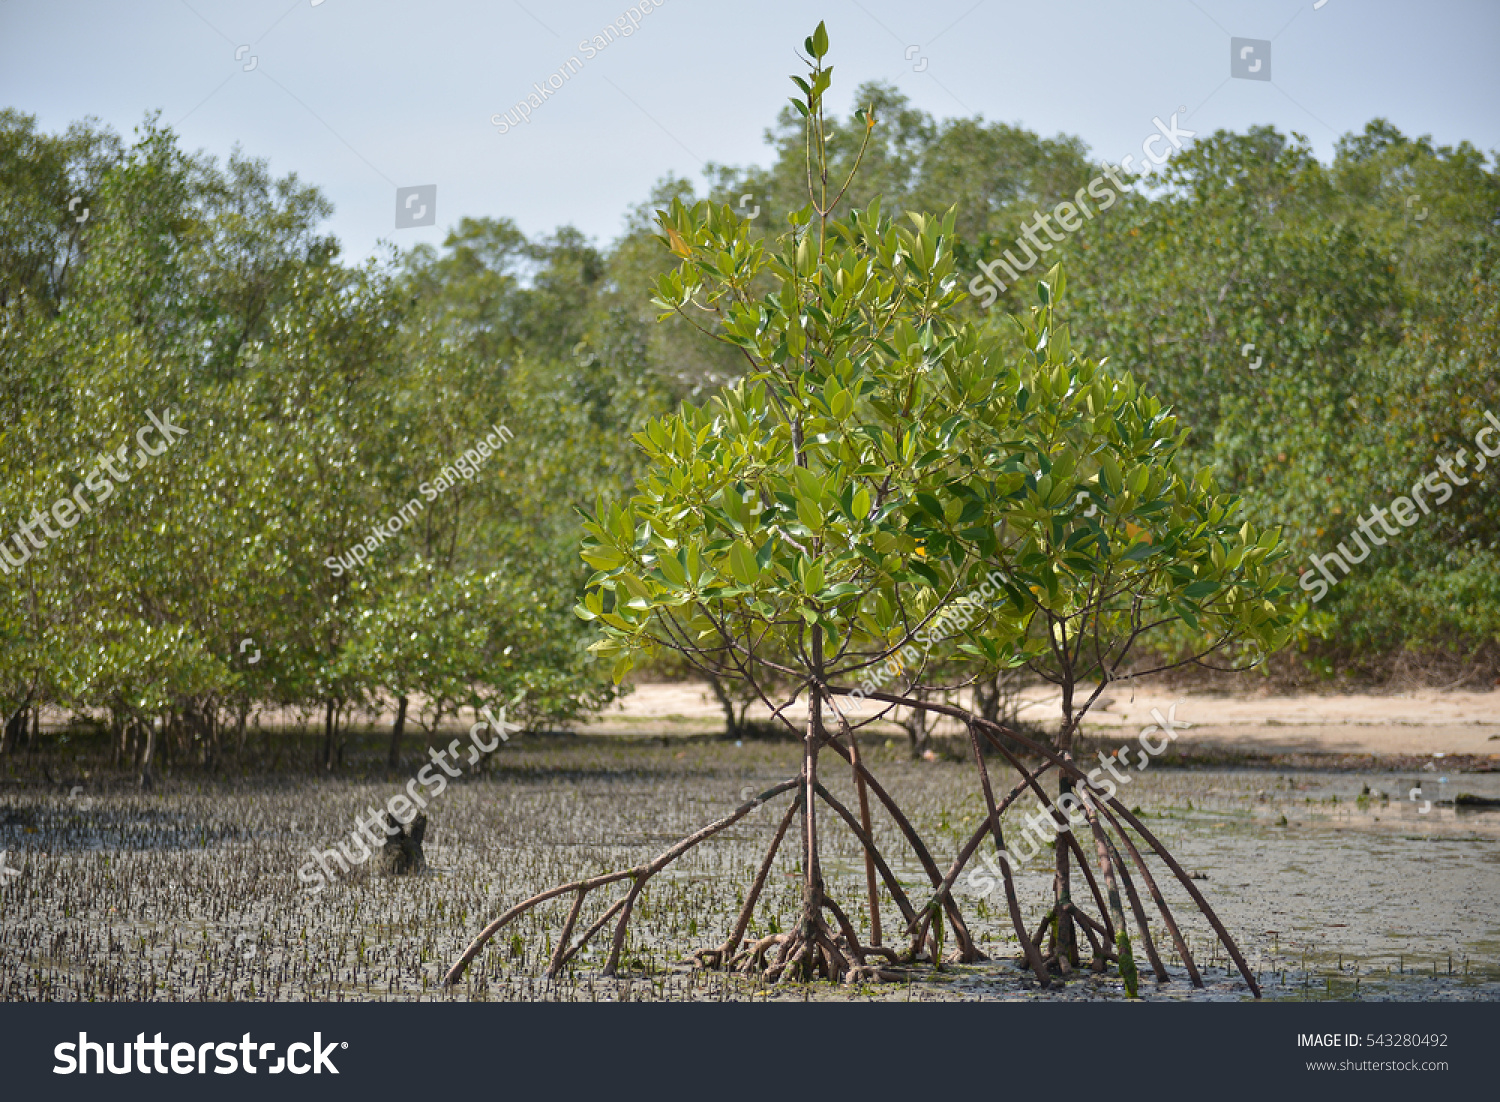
(989, 285)
(260, 820)
(956, 616)
(1416, 794)
(370, 832)
(754, 214)
(1320, 579)
(1245, 350)
(1042, 825)
(239, 55)
(73, 202)
(82, 803)
(1250, 58)
(1412, 200)
(581, 648)
(464, 467)
(416, 206)
(245, 644)
(623, 27)
(921, 65)
(100, 481)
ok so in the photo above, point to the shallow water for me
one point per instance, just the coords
(193, 894)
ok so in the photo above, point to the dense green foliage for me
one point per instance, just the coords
(317, 397)
(311, 401)
(882, 457)
(879, 461)
(1366, 286)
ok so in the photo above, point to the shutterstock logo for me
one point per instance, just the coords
(1250, 58)
(189, 1059)
(416, 206)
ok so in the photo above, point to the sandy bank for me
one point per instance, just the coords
(1421, 722)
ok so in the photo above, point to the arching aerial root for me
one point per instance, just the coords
(638, 875)
(824, 944)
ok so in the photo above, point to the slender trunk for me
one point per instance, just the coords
(995, 698)
(147, 780)
(864, 822)
(987, 697)
(394, 757)
(1067, 932)
(812, 875)
(328, 719)
(731, 726)
(917, 730)
(8, 735)
(205, 713)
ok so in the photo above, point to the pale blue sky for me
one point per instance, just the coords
(364, 96)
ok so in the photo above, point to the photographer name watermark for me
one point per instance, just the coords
(954, 617)
(465, 467)
(623, 27)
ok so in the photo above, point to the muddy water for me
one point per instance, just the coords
(1402, 894)
(1335, 884)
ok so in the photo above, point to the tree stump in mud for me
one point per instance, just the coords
(402, 852)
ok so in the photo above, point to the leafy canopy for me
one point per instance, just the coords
(881, 456)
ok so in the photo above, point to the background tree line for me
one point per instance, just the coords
(319, 394)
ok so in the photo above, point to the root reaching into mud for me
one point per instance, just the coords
(825, 944)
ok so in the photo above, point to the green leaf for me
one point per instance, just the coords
(603, 558)
(819, 41)
(634, 586)
(742, 564)
(927, 574)
(1109, 474)
(622, 666)
(671, 569)
(861, 504)
(813, 581)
